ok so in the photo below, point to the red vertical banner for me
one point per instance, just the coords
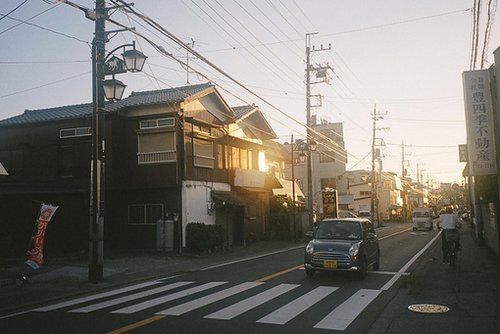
(35, 255)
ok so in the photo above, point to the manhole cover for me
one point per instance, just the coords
(428, 308)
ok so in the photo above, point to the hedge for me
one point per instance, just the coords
(201, 237)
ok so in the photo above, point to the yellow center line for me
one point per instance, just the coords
(137, 324)
(263, 279)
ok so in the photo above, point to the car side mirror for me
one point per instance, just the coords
(371, 235)
(309, 235)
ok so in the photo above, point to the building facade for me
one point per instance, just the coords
(180, 154)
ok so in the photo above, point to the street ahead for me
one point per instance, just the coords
(263, 295)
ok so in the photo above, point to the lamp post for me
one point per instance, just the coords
(101, 89)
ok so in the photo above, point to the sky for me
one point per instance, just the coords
(402, 59)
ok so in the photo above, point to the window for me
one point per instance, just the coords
(327, 156)
(365, 193)
(243, 158)
(157, 123)
(330, 182)
(75, 132)
(143, 214)
(235, 155)
(156, 147)
(203, 153)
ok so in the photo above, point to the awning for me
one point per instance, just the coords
(287, 189)
(394, 206)
(230, 197)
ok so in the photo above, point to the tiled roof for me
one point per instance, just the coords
(50, 114)
(170, 95)
(241, 111)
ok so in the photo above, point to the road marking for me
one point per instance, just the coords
(393, 234)
(286, 313)
(252, 302)
(136, 325)
(404, 268)
(263, 279)
(388, 273)
(345, 313)
(94, 297)
(160, 300)
(147, 293)
(203, 301)
(251, 258)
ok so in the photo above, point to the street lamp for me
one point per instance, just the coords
(113, 89)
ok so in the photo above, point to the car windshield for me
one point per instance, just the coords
(344, 230)
(421, 214)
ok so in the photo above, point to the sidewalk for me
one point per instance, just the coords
(471, 292)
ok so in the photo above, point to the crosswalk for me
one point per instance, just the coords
(183, 297)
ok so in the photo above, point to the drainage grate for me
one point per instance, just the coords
(428, 308)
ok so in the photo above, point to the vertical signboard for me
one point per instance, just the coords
(479, 122)
(330, 203)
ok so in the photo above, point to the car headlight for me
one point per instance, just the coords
(354, 250)
(309, 248)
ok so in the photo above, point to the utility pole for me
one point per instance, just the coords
(403, 174)
(375, 156)
(321, 74)
(96, 226)
(191, 44)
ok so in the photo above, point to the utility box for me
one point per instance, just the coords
(165, 235)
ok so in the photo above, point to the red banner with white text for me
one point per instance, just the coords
(35, 255)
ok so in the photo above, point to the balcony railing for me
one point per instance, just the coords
(156, 157)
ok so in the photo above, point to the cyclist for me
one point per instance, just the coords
(449, 222)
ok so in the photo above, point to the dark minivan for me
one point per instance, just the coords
(346, 244)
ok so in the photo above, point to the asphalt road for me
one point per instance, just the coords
(266, 295)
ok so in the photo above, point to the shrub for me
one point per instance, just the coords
(201, 237)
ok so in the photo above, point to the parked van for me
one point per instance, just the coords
(422, 218)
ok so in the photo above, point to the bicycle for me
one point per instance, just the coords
(452, 238)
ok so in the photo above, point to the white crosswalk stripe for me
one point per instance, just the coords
(160, 300)
(338, 319)
(344, 314)
(94, 297)
(108, 303)
(200, 302)
(286, 313)
(252, 302)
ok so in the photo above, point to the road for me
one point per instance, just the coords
(262, 295)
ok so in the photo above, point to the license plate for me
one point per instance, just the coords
(330, 264)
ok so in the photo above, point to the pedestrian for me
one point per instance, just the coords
(449, 222)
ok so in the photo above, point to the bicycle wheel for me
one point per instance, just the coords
(452, 255)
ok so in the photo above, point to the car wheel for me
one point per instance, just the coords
(376, 265)
(362, 271)
(310, 272)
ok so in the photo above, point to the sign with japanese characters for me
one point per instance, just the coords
(462, 152)
(479, 122)
(330, 203)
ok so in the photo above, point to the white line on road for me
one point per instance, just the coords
(286, 313)
(167, 298)
(147, 293)
(203, 301)
(252, 302)
(94, 297)
(345, 313)
(404, 268)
